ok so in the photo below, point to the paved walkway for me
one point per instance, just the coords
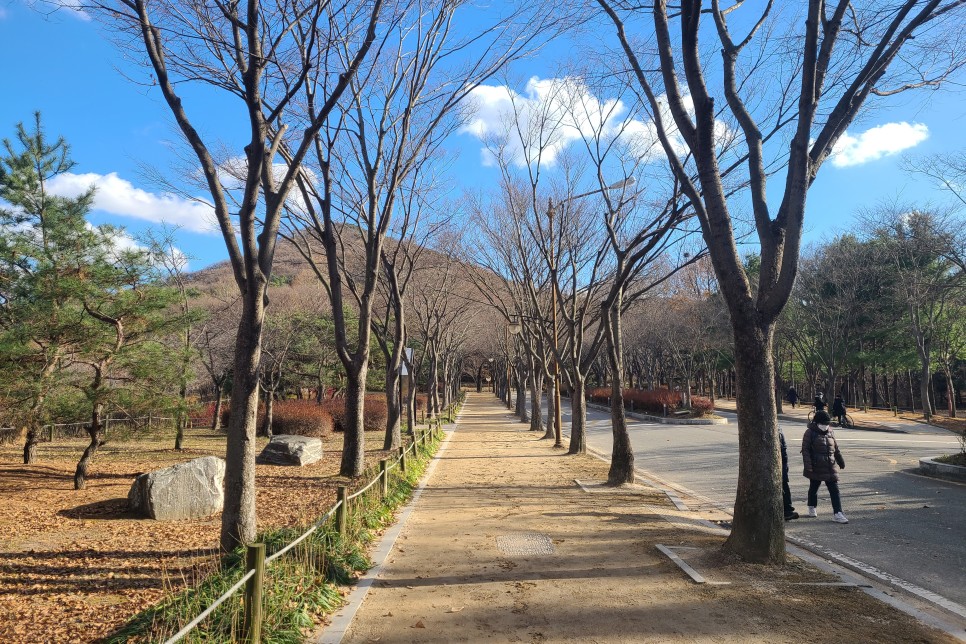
(502, 545)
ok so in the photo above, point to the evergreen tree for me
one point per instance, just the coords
(40, 237)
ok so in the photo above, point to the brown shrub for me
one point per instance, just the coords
(701, 406)
(299, 417)
(375, 413)
(651, 401)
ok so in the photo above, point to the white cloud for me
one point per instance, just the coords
(118, 196)
(74, 8)
(877, 142)
(555, 112)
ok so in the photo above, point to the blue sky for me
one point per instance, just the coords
(63, 66)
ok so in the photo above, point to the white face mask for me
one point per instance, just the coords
(824, 428)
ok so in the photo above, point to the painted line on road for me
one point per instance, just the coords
(895, 440)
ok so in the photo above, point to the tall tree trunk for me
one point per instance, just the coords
(521, 395)
(266, 428)
(411, 403)
(950, 390)
(354, 438)
(95, 431)
(34, 431)
(219, 399)
(551, 414)
(578, 416)
(536, 401)
(432, 388)
(622, 455)
(925, 377)
(758, 530)
(393, 412)
(30, 444)
(238, 518)
(181, 420)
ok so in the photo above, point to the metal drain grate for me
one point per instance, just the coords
(522, 545)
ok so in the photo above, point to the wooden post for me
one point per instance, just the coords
(254, 560)
(342, 514)
(402, 461)
(384, 475)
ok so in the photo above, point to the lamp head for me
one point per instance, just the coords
(624, 183)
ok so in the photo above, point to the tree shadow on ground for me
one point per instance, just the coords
(107, 509)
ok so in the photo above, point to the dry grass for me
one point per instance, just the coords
(77, 564)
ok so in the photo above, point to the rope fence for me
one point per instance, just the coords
(350, 512)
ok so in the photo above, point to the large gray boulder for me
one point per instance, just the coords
(287, 449)
(191, 490)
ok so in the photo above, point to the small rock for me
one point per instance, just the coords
(285, 449)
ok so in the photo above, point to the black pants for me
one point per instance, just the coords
(833, 492)
(787, 495)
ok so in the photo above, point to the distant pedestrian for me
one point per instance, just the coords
(786, 491)
(838, 410)
(823, 460)
(820, 403)
(792, 396)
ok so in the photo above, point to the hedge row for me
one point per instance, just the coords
(309, 418)
(654, 400)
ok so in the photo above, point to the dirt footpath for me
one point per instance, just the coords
(504, 546)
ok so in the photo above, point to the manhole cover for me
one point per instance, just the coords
(525, 544)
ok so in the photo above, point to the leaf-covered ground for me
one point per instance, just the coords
(76, 565)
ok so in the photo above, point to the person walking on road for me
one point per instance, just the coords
(823, 460)
(838, 410)
(786, 491)
(792, 397)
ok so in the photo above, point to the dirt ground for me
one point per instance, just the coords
(76, 565)
(504, 546)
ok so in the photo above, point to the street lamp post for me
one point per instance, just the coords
(551, 210)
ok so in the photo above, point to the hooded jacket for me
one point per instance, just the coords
(820, 452)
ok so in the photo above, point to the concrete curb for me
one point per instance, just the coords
(932, 467)
(342, 618)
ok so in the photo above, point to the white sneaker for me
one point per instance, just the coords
(838, 517)
(812, 512)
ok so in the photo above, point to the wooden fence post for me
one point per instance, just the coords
(402, 460)
(342, 514)
(384, 475)
(254, 560)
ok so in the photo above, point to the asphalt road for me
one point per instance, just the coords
(905, 525)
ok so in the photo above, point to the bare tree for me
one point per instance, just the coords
(402, 108)
(264, 54)
(809, 72)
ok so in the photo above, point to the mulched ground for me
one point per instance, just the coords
(76, 565)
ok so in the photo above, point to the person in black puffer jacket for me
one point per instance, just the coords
(823, 460)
